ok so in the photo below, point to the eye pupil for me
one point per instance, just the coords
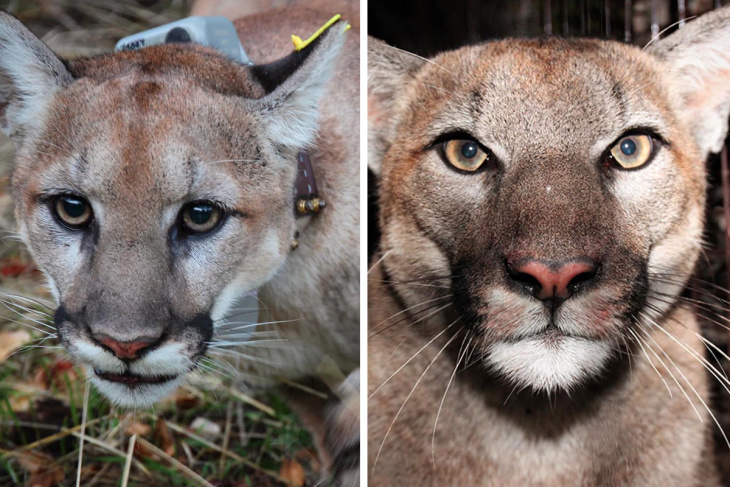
(201, 214)
(200, 217)
(469, 150)
(73, 207)
(628, 147)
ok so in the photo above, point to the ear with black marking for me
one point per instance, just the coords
(698, 60)
(295, 85)
(29, 74)
(389, 70)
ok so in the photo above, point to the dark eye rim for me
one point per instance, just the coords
(187, 231)
(439, 144)
(658, 143)
(52, 203)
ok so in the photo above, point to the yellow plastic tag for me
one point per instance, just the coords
(299, 44)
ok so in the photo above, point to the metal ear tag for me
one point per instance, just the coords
(216, 32)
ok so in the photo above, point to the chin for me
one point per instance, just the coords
(138, 395)
(549, 364)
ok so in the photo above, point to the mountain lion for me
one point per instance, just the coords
(154, 188)
(542, 209)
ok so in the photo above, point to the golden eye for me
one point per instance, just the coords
(465, 154)
(201, 217)
(72, 211)
(632, 151)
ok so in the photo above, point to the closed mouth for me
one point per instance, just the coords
(132, 380)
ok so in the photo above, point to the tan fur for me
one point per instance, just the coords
(441, 302)
(139, 134)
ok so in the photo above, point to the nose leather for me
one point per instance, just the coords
(554, 279)
(125, 350)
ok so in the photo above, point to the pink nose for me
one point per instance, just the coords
(550, 280)
(125, 350)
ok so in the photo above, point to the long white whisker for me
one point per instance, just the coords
(378, 261)
(461, 355)
(638, 340)
(412, 357)
(382, 443)
(433, 313)
(699, 397)
(411, 307)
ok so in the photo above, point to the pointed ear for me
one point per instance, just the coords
(29, 74)
(294, 86)
(698, 58)
(389, 69)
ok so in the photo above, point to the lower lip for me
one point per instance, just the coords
(133, 380)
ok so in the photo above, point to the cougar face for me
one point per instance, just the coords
(152, 189)
(543, 188)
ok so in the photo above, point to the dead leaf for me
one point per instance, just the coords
(46, 478)
(33, 461)
(137, 428)
(292, 473)
(55, 376)
(19, 404)
(37, 464)
(10, 341)
(16, 267)
(163, 437)
(143, 452)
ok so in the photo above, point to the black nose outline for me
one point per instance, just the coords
(533, 286)
(202, 323)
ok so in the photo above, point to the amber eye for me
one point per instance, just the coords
(201, 217)
(632, 151)
(72, 211)
(465, 154)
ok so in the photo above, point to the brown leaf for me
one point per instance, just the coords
(185, 400)
(10, 341)
(163, 437)
(55, 375)
(33, 461)
(138, 428)
(292, 473)
(143, 452)
(37, 464)
(46, 478)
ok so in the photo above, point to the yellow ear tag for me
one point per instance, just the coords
(299, 44)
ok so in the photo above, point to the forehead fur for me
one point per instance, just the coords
(155, 125)
(526, 86)
(200, 65)
(547, 98)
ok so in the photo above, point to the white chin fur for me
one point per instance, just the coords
(549, 365)
(141, 396)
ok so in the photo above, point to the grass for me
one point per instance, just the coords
(239, 440)
(207, 427)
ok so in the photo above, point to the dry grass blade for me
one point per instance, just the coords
(128, 461)
(83, 434)
(228, 453)
(304, 388)
(116, 451)
(226, 436)
(173, 461)
(52, 438)
(251, 401)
